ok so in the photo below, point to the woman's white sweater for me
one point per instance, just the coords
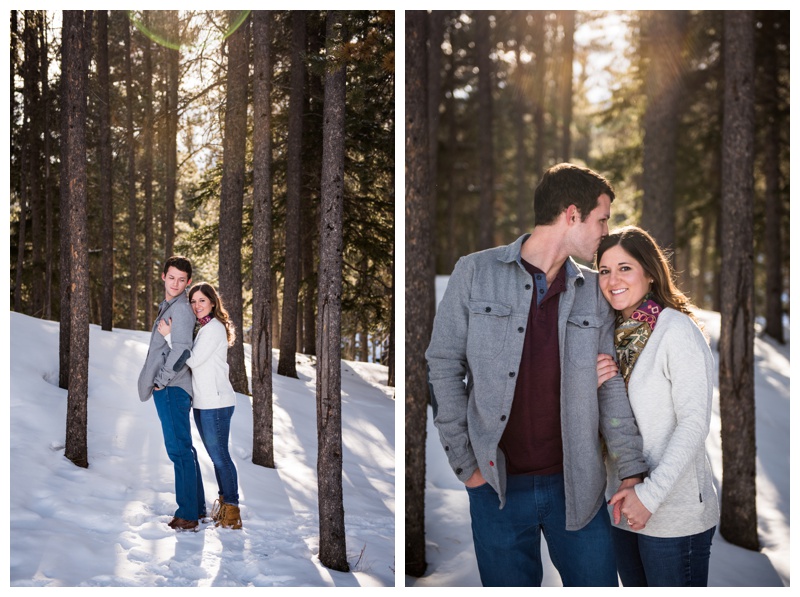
(211, 386)
(670, 391)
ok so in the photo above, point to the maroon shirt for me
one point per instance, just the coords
(531, 441)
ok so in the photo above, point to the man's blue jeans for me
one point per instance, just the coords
(214, 425)
(508, 541)
(172, 405)
(645, 561)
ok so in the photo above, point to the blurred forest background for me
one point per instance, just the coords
(685, 112)
(636, 96)
(160, 80)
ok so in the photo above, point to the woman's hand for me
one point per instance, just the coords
(606, 368)
(164, 327)
(627, 502)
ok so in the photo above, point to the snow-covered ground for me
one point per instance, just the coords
(107, 525)
(450, 554)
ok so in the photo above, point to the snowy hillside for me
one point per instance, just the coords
(107, 525)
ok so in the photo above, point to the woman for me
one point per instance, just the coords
(213, 397)
(665, 360)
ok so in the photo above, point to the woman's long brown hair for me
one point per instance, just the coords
(643, 248)
(217, 308)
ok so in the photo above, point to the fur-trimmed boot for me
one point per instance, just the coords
(231, 519)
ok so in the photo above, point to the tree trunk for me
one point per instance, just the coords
(520, 156)
(65, 268)
(261, 359)
(452, 176)
(34, 119)
(738, 522)
(485, 133)
(539, 71)
(773, 244)
(232, 196)
(147, 183)
(664, 30)
(567, 57)
(419, 287)
(48, 206)
(105, 172)
(291, 279)
(171, 177)
(332, 545)
(74, 111)
(133, 316)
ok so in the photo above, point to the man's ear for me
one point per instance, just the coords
(573, 215)
(163, 277)
(189, 283)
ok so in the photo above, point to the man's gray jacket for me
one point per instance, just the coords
(160, 365)
(477, 337)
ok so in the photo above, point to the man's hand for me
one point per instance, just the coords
(606, 368)
(476, 479)
(626, 502)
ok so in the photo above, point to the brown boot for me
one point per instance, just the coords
(181, 524)
(230, 517)
(217, 509)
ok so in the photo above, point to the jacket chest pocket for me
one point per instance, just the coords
(582, 340)
(488, 326)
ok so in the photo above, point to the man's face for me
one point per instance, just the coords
(175, 282)
(588, 234)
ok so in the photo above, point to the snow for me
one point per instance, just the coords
(107, 525)
(450, 554)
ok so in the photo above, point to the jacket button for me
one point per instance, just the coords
(458, 471)
(503, 418)
(491, 463)
(520, 329)
(585, 323)
(447, 448)
(512, 374)
(488, 309)
(527, 286)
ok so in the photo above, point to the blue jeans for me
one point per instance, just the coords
(508, 541)
(172, 405)
(214, 425)
(644, 561)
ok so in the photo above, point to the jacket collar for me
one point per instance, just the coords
(513, 252)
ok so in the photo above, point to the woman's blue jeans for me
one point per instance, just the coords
(644, 561)
(508, 541)
(214, 425)
(172, 405)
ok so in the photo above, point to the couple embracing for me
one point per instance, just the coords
(186, 369)
(575, 402)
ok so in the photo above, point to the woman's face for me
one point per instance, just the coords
(201, 304)
(623, 280)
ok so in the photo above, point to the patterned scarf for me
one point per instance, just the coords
(632, 334)
(200, 323)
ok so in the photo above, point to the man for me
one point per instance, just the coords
(523, 325)
(166, 377)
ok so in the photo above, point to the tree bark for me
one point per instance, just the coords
(332, 545)
(147, 182)
(567, 56)
(133, 216)
(48, 204)
(74, 110)
(419, 288)
(738, 521)
(773, 244)
(34, 120)
(291, 279)
(539, 71)
(485, 131)
(262, 243)
(232, 196)
(171, 177)
(105, 173)
(664, 84)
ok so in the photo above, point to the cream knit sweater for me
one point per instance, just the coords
(670, 391)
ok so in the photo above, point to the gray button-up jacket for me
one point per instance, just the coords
(162, 361)
(473, 359)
